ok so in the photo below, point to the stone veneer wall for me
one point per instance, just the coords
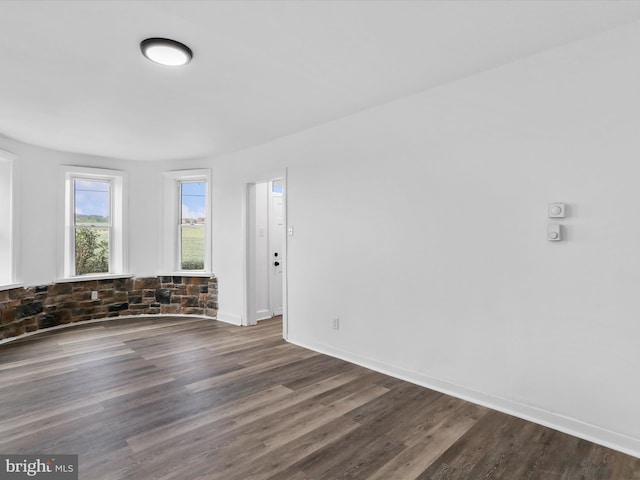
(34, 308)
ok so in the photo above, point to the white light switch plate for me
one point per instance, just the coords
(553, 232)
(557, 210)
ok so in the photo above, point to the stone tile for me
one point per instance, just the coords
(163, 295)
(193, 289)
(169, 309)
(45, 306)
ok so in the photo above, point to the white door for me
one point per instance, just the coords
(276, 239)
(259, 258)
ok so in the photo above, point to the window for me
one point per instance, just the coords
(187, 241)
(94, 222)
(7, 232)
(92, 225)
(277, 186)
(193, 219)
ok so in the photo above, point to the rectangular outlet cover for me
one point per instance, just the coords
(554, 233)
(335, 323)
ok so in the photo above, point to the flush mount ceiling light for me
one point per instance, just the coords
(166, 52)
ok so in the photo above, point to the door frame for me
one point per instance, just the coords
(248, 212)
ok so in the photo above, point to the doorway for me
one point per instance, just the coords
(265, 241)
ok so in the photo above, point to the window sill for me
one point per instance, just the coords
(11, 286)
(88, 278)
(186, 273)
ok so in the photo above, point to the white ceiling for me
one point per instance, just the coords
(72, 77)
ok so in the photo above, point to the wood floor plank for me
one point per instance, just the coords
(362, 450)
(168, 432)
(415, 459)
(188, 398)
(277, 463)
(470, 451)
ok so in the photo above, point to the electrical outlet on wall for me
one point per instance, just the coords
(335, 323)
(94, 295)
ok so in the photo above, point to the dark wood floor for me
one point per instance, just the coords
(186, 398)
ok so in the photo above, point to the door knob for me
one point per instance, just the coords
(276, 263)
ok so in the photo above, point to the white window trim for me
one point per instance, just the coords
(118, 247)
(170, 260)
(97, 276)
(10, 250)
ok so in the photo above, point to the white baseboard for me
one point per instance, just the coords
(229, 318)
(263, 315)
(569, 425)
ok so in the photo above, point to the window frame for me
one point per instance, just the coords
(8, 227)
(75, 227)
(181, 225)
(118, 257)
(172, 247)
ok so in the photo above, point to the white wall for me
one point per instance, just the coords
(7, 207)
(38, 193)
(422, 225)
